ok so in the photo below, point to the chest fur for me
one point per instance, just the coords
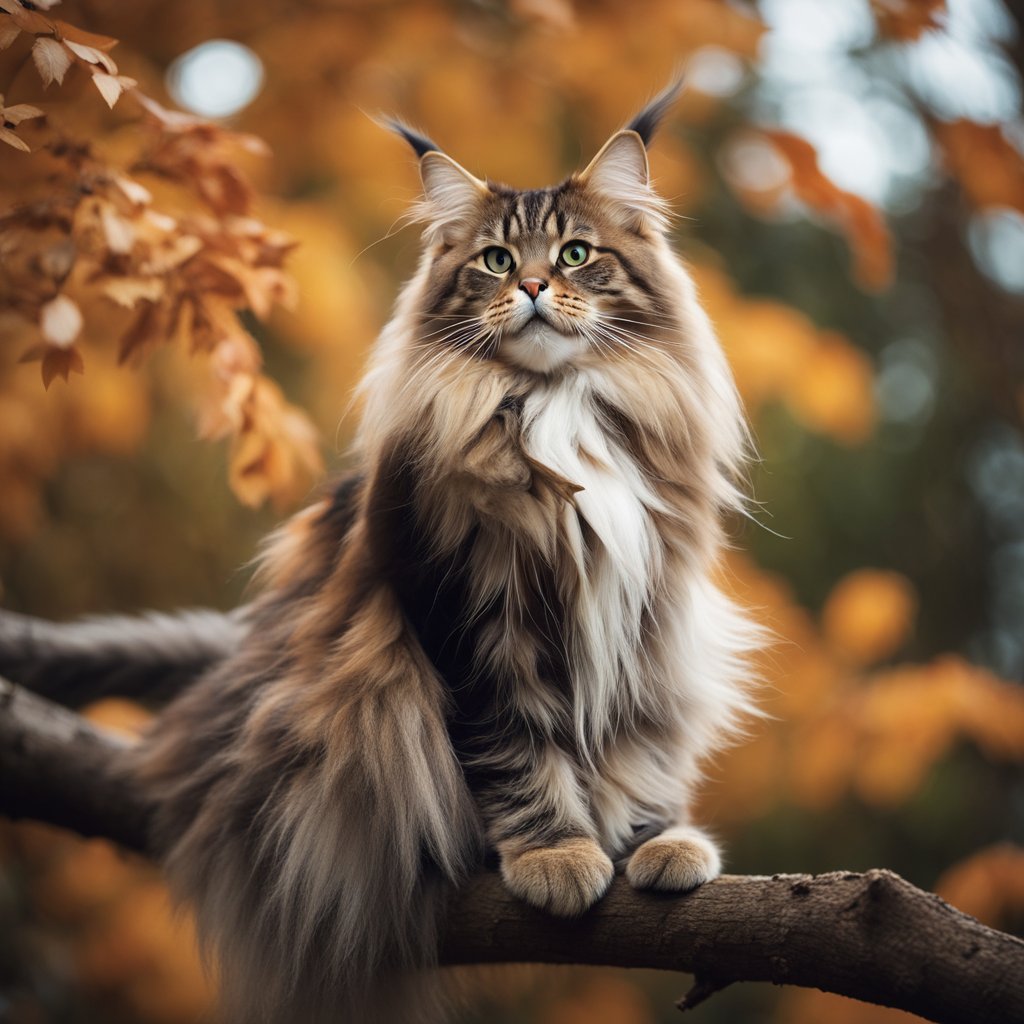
(608, 553)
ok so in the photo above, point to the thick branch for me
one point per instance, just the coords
(872, 936)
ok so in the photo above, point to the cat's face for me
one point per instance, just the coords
(542, 278)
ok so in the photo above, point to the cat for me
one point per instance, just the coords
(501, 635)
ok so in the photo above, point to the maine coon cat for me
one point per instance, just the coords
(501, 633)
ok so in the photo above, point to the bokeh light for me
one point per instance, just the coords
(216, 79)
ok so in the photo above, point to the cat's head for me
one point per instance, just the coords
(541, 278)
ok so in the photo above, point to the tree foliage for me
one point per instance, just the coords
(220, 266)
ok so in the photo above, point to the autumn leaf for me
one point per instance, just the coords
(863, 226)
(56, 362)
(112, 86)
(136, 194)
(18, 113)
(9, 31)
(6, 135)
(27, 20)
(988, 166)
(128, 291)
(75, 34)
(906, 20)
(52, 60)
(92, 55)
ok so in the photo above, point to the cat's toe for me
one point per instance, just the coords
(676, 861)
(565, 880)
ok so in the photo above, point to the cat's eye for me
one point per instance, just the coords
(574, 254)
(498, 260)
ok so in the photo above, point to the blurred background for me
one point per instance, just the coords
(850, 184)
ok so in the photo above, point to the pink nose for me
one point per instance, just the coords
(533, 286)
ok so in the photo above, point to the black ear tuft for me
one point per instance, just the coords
(420, 143)
(645, 124)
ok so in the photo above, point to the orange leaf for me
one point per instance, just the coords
(78, 35)
(147, 329)
(906, 20)
(860, 222)
(27, 21)
(59, 362)
(988, 166)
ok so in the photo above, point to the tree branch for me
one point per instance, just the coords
(872, 936)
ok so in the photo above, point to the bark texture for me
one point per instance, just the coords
(872, 935)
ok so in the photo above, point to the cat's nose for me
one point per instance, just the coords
(533, 286)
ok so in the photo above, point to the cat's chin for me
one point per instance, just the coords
(541, 348)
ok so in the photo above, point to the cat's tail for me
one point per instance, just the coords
(149, 658)
(313, 812)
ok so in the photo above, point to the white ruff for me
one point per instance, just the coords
(617, 564)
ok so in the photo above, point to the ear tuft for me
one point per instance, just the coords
(420, 143)
(620, 175)
(645, 123)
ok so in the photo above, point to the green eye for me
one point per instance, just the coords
(498, 260)
(574, 254)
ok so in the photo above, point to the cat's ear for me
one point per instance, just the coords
(620, 173)
(451, 195)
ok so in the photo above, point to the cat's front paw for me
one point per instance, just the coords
(676, 861)
(565, 879)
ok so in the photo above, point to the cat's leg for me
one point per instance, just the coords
(642, 791)
(679, 859)
(539, 823)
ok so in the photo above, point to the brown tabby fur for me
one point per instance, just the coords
(500, 634)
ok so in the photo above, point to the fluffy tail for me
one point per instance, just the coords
(312, 810)
(149, 658)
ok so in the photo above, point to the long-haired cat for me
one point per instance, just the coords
(502, 633)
